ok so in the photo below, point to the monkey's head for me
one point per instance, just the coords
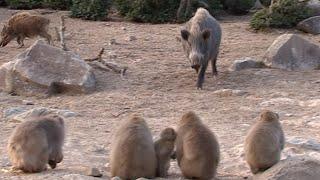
(269, 116)
(58, 119)
(189, 118)
(136, 119)
(168, 134)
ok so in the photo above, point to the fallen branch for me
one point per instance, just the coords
(116, 68)
(98, 62)
(57, 33)
(98, 65)
(98, 58)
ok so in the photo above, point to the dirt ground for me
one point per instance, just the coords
(160, 85)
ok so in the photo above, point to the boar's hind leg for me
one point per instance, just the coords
(201, 74)
(20, 41)
(47, 36)
(214, 67)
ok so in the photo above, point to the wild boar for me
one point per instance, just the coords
(201, 37)
(22, 25)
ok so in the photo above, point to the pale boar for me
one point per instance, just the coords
(22, 25)
(201, 37)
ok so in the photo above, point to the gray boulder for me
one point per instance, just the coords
(246, 63)
(292, 52)
(300, 168)
(314, 5)
(44, 69)
(310, 25)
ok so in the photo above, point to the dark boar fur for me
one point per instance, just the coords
(22, 25)
(201, 37)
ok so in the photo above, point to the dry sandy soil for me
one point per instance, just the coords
(160, 85)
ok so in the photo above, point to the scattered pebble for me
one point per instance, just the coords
(131, 38)
(94, 172)
(116, 178)
(113, 42)
(13, 111)
(229, 92)
(27, 102)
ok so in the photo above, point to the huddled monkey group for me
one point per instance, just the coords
(38, 142)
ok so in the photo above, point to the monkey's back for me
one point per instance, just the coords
(133, 154)
(263, 144)
(28, 147)
(200, 151)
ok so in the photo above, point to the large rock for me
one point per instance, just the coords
(292, 52)
(310, 25)
(43, 69)
(300, 168)
(310, 144)
(314, 5)
(20, 114)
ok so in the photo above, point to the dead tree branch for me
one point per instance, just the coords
(62, 30)
(99, 63)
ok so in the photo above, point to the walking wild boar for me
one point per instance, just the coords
(24, 25)
(201, 37)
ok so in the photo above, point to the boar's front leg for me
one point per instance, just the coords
(47, 36)
(20, 41)
(201, 74)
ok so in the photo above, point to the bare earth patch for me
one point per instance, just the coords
(160, 85)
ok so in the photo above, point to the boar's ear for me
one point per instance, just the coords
(206, 34)
(185, 34)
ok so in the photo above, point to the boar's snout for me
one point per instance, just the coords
(195, 60)
(4, 41)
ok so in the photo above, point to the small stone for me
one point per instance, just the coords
(66, 113)
(278, 101)
(229, 92)
(77, 177)
(13, 111)
(116, 178)
(94, 172)
(113, 42)
(246, 63)
(112, 55)
(26, 102)
(131, 38)
(124, 28)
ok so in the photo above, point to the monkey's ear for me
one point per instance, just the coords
(185, 34)
(206, 34)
